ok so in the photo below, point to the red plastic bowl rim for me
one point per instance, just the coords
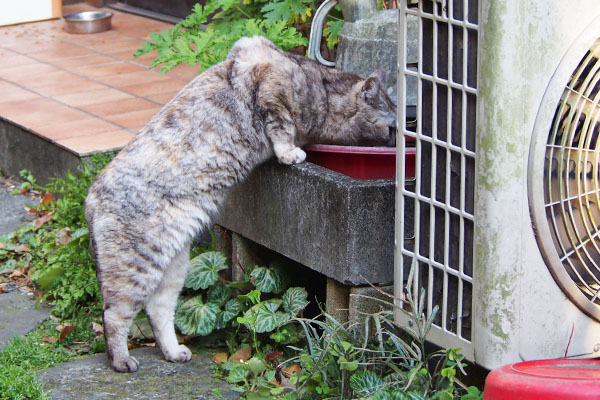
(329, 148)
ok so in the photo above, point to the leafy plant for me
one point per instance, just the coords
(54, 247)
(206, 35)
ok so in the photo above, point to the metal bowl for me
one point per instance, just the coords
(88, 22)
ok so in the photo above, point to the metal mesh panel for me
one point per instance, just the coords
(571, 179)
(442, 193)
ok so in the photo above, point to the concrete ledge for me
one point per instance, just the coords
(21, 148)
(335, 225)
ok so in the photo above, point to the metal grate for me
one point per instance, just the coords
(572, 184)
(442, 193)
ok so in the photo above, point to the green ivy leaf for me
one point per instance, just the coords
(232, 310)
(294, 300)
(204, 270)
(266, 317)
(366, 383)
(237, 374)
(267, 280)
(194, 317)
(219, 294)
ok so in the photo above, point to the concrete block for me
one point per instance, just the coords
(244, 254)
(340, 227)
(337, 299)
(364, 300)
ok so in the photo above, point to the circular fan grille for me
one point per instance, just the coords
(572, 185)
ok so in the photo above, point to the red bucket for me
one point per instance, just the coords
(545, 380)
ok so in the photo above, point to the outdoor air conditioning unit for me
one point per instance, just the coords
(506, 199)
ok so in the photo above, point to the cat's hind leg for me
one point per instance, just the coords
(160, 308)
(118, 316)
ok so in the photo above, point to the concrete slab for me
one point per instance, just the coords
(19, 315)
(12, 211)
(91, 378)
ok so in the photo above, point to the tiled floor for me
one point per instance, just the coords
(84, 93)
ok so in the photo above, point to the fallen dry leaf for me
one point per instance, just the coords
(291, 369)
(49, 339)
(48, 199)
(22, 248)
(63, 236)
(273, 355)
(97, 328)
(220, 358)
(44, 219)
(64, 332)
(15, 274)
(242, 354)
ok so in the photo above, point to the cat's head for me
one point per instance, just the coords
(377, 112)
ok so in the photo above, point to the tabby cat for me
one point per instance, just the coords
(147, 205)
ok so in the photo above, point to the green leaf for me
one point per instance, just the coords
(332, 32)
(232, 309)
(204, 270)
(294, 300)
(256, 366)
(219, 294)
(266, 317)
(194, 317)
(237, 374)
(473, 393)
(267, 280)
(277, 10)
(48, 277)
(366, 383)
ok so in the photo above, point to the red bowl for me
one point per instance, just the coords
(360, 162)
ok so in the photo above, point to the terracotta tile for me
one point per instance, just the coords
(118, 44)
(69, 129)
(26, 47)
(40, 112)
(107, 141)
(185, 72)
(93, 97)
(67, 51)
(10, 59)
(118, 106)
(157, 87)
(74, 85)
(18, 108)
(114, 68)
(127, 55)
(59, 76)
(76, 62)
(132, 78)
(16, 95)
(90, 41)
(134, 120)
(26, 72)
(162, 98)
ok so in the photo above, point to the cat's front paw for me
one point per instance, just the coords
(294, 156)
(127, 364)
(180, 354)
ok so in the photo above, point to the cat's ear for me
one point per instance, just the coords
(370, 87)
(380, 75)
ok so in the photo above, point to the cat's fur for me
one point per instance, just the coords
(156, 195)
